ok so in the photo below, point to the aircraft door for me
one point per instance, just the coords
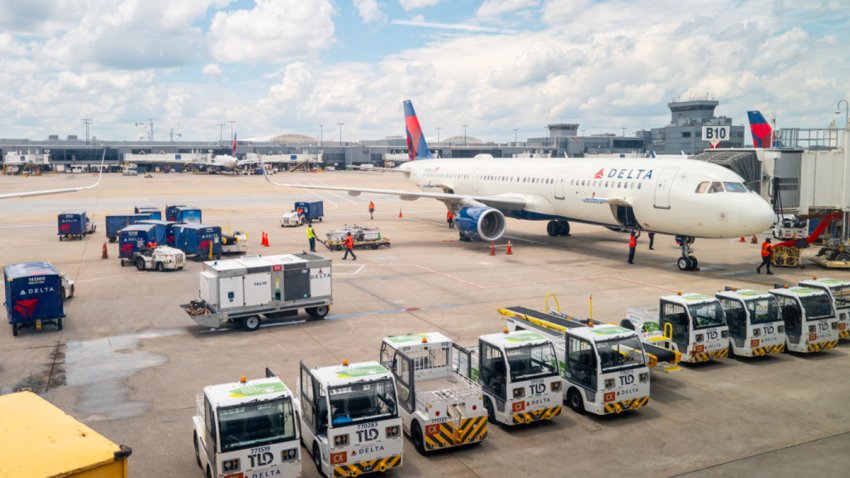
(560, 184)
(663, 188)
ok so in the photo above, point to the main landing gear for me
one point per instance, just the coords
(561, 227)
(687, 262)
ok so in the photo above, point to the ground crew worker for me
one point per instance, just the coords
(311, 236)
(651, 240)
(766, 251)
(371, 210)
(632, 246)
(450, 218)
(300, 213)
(349, 247)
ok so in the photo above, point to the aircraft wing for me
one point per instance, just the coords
(46, 192)
(506, 201)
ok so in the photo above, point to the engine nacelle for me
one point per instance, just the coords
(480, 223)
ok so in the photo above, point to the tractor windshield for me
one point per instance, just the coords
(817, 306)
(763, 311)
(532, 361)
(619, 354)
(842, 295)
(708, 314)
(255, 424)
(362, 401)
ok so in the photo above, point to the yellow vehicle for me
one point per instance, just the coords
(41, 440)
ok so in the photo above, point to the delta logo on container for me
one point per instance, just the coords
(26, 307)
(630, 173)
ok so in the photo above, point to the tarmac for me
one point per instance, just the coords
(130, 362)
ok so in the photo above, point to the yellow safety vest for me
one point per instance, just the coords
(310, 233)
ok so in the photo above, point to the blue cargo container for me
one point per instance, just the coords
(152, 212)
(171, 211)
(163, 231)
(118, 222)
(72, 225)
(33, 294)
(133, 238)
(196, 239)
(312, 209)
(188, 215)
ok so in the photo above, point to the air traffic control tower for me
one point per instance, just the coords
(684, 133)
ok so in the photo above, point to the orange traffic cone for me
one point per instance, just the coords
(743, 239)
(492, 249)
(400, 215)
(267, 240)
(509, 251)
(105, 253)
(754, 240)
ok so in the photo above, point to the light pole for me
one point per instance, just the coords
(321, 132)
(438, 134)
(846, 111)
(232, 122)
(340, 132)
(150, 128)
(624, 130)
(515, 131)
(221, 132)
(464, 133)
(87, 122)
(172, 134)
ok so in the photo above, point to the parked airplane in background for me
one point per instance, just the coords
(45, 192)
(670, 196)
(761, 130)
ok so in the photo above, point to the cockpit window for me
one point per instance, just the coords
(702, 187)
(716, 187)
(735, 187)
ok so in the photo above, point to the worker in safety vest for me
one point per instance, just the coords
(450, 218)
(632, 246)
(371, 210)
(300, 213)
(311, 236)
(766, 251)
(349, 247)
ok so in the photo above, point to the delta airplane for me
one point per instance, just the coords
(682, 197)
(45, 192)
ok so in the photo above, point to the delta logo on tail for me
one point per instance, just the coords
(417, 148)
(761, 130)
(233, 146)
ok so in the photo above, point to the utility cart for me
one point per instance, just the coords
(364, 237)
(35, 294)
(754, 320)
(74, 225)
(809, 316)
(160, 258)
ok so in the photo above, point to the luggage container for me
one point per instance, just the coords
(42, 440)
(171, 211)
(187, 215)
(311, 210)
(754, 320)
(115, 223)
(163, 231)
(152, 212)
(34, 295)
(247, 290)
(133, 239)
(198, 240)
(74, 225)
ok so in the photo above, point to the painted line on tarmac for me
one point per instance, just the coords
(403, 310)
(80, 281)
(359, 270)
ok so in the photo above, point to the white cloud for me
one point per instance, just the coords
(495, 8)
(468, 27)
(274, 31)
(409, 5)
(369, 11)
(212, 70)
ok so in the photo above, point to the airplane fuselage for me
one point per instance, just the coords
(672, 196)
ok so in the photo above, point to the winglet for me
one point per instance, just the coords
(60, 191)
(417, 148)
(761, 130)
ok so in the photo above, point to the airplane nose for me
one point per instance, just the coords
(761, 215)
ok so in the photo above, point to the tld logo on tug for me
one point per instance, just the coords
(615, 173)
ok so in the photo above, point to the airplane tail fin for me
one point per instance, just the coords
(761, 130)
(233, 146)
(417, 148)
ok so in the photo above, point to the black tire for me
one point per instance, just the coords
(842, 257)
(575, 401)
(111, 239)
(317, 459)
(14, 330)
(251, 323)
(62, 292)
(491, 413)
(417, 438)
(59, 324)
(140, 264)
(683, 263)
(564, 228)
(60, 238)
(552, 228)
(72, 291)
(319, 312)
(197, 448)
(160, 267)
(694, 263)
(375, 246)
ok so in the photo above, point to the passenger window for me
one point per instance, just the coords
(716, 187)
(702, 187)
(638, 185)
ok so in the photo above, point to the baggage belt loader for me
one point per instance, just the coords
(754, 320)
(519, 375)
(247, 429)
(604, 366)
(350, 419)
(839, 290)
(691, 324)
(809, 317)
(440, 406)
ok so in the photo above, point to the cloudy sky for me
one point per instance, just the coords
(287, 66)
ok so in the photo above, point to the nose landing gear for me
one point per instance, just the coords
(687, 262)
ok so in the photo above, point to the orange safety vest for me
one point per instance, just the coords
(349, 242)
(632, 241)
(449, 215)
(765, 249)
(371, 205)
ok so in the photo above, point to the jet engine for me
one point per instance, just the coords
(480, 223)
